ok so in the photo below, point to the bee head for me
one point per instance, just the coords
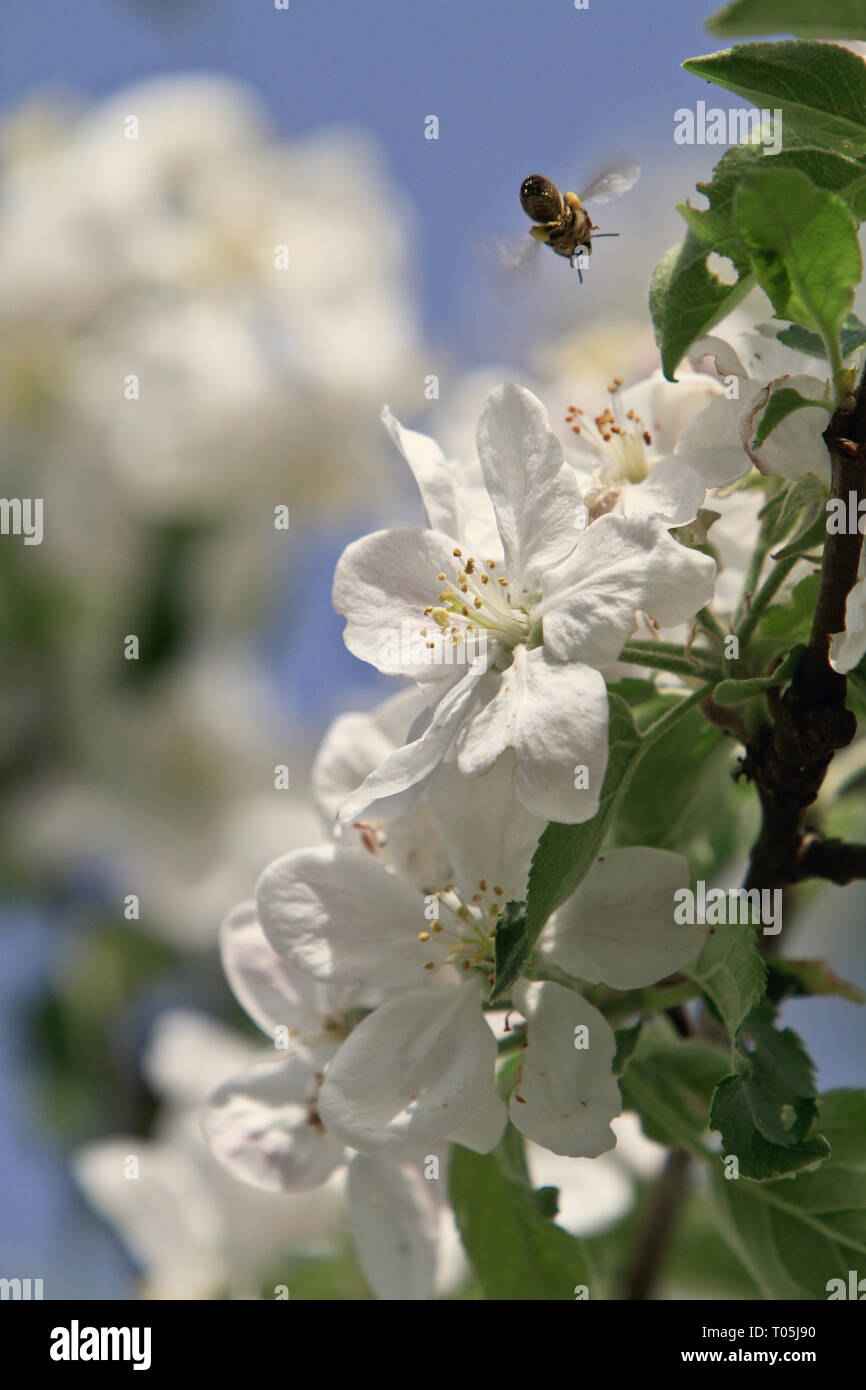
(540, 199)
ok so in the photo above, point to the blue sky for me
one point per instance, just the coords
(519, 86)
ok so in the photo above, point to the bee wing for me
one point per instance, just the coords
(612, 183)
(512, 254)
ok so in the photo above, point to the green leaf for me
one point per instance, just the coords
(731, 973)
(785, 620)
(851, 338)
(759, 1158)
(800, 977)
(669, 1082)
(736, 692)
(807, 19)
(515, 1251)
(766, 1112)
(715, 226)
(796, 1235)
(807, 496)
(803, 245)
(626, 1042)
(781, 404)
(686, 299)
(820, 88)
(673, 797)
(565, 854)
(509, 947)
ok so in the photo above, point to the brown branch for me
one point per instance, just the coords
(658, 1228)
(832, 859)
(788, 759)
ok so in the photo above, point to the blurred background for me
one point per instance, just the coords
(165, 384)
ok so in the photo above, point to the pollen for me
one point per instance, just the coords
(430, 965)
(423, 936)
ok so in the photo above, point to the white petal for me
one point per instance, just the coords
(618, 568)
(356, 744)
(271, 991)
(847, 648)
(796, 447)
(666, 407)
(165, 1214)
(725, 359)
(394, 1222)
(382, 584)
(488, 833)
(673, 491)
(566, 1096)
(343, 918)
(263, 1127)
(414, 1071)
(619, 926)
(711, 445)
(410, 765)
(188, 1053)
(555, 718)
(484, 1132)
(433, 472)
(534, 491)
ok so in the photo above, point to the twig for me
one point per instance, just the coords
(658, 1229)
(788, 759)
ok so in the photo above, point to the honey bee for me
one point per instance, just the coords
(564, 224)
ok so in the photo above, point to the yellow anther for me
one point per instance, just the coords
(423, 936)
(430, 965)
(441, 617)
(458, 552)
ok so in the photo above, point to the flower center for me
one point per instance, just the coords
(475, 605)
(620, 441)
(467, 928)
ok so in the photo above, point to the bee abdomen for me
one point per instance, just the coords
(540, 199)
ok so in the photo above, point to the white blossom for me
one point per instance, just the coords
(508, 639)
